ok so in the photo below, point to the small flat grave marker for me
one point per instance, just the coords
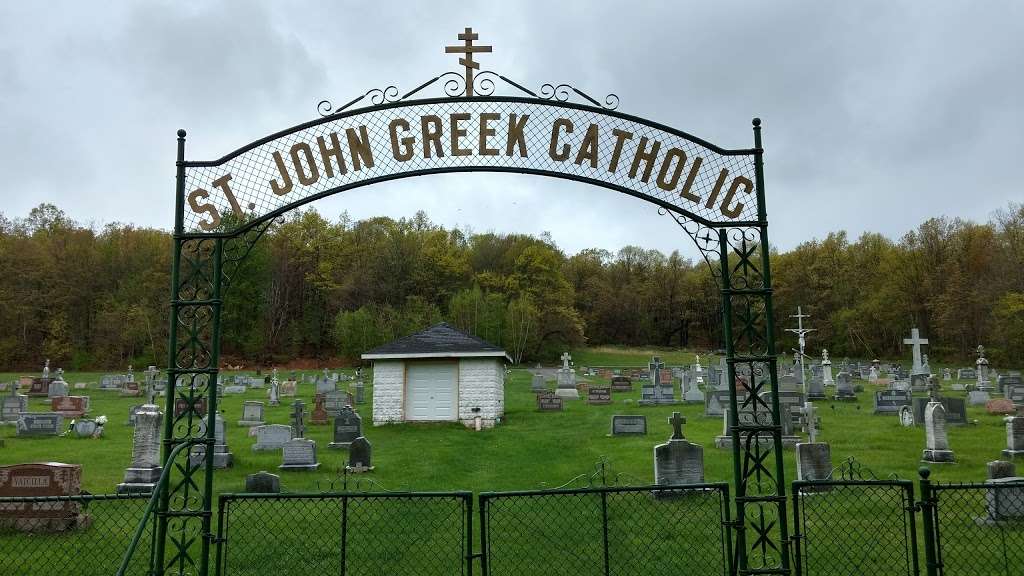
(599, 395)
(626, 425)
(549, 402)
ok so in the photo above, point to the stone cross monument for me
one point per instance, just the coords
(915, 341)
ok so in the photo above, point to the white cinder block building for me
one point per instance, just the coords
(437, 375)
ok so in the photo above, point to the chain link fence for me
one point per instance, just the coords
(650, 531)
(978, 529)
(862, 527)
(83, 535)
(352, 534)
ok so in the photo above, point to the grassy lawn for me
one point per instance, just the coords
(528, 450)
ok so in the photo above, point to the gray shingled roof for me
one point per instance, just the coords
(438, 339)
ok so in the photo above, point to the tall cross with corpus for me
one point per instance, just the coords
(565, 360)
(468, 49)
(677, 420)
(915, 340)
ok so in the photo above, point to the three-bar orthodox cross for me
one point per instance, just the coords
(468, 49)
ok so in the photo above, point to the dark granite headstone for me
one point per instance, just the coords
(623, 425)
(599, 395)
(549, 402)
(360, 454)
(956, 410)
(262, 483)
(40, 424)
(347, 427)
(622, 384)
(890, 401)
(40, 480)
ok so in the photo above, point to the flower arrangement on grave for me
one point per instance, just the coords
(86, 427)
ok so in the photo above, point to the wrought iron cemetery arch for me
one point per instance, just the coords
(715, 195)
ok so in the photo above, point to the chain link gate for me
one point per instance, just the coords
(715, 195)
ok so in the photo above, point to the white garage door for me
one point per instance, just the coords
(431, 387)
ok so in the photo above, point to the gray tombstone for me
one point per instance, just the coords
(537, 384)
(599, 395)
(813, 461)
(271, 437)
(133, 412)
(936, 443)
(262, 482)
(1014, 437)
(693, 393)
(1005, 496)
(360, 454)
(623, 425)
(906, 416)
(12, 406)
(622, 384)
(335, 402)
(678, 462)
(222, 456)
(658, 389)
(1014, 392)
(955, 408)
(299, 418)
(299, 454)
(549, 402)
(567, 379)
(844, 387)
(347, 427)
(978, 397)
(40, 424)
(360, 392)
(252, 413)
(890, 401)
(144, 472)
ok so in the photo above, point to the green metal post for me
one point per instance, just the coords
(157, 564)
(211, 413)
(927, 505)
(734, 433)
(780, 470)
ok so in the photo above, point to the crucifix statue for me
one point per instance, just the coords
(677, 420)
(565, 360)
(468, 49)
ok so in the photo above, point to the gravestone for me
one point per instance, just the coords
(813, 458)
(966, 374)
(360, 454)
(252, 413)
(262, 482)
(915, 341)
(319, 416)
(678, 462)
(978, 397)
(360, 392)
(936, 443)
(87, 428)
(549, 402)
(347, 427)
(132, 412)
(622, 384)
(890, 401)
(271, 437)
(299, 454)
(57, 388)
(222, 456)
(826, 368)
(70, 406)
(40, 424)
(1014, 391)
(234, 389)
(39, 481)
(12, 405)
(567, 379)
(39, 387)
(906, 416)
(947, 374)
(144, 472)
(324, 385)
(658, 389)
(693, 394)
(275, 389)
(335, 401)
(288, 388)
(598, 395)
(299, 418)
(623, 425)
(182, 405)
(1014, 437)
(1004, 498)
(844, 388)
(537, 384)
(955, 408)
(981, 368)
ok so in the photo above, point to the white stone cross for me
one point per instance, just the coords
(915, 340)
(565, 360)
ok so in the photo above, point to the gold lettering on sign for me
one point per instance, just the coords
(669, 183)
(222, 183)
(588, 148)
(359, 148)
(553, 151)
(694, 168)
(334, 151)
(486, 132)
(718, 188)
(309, 174)
(403, 152)
(204, 208)
(516, 136)
(620, 139)
(457, 133)
(645, 156)
(281, 189)
(430, 127)
(734, 211)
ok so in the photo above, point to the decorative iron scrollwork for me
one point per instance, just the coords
(562, 93)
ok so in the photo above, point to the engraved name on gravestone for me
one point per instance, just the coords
(141, 476)
(1014, 391)
(181, 405)
(299, 454)
(1014, 437)
(549, 402)
(537, 383)
(678, 462)
(40, 480)
(599, 395)
(890, 401)
(347, 427)
(272, 437)
(252, 413)
(936, 442)
(70, 406)
(626, 425)
(40, 424)
(622, 384)
(955, 410)
(335, 401)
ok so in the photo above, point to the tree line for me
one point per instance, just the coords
(313, 288)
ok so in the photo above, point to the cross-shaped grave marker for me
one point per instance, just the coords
(677, 420)
(916, 341)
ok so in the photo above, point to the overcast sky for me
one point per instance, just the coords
(877, 115)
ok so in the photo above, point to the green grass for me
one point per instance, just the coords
(528, 450)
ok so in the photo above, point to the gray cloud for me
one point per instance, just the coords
(877, 115)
